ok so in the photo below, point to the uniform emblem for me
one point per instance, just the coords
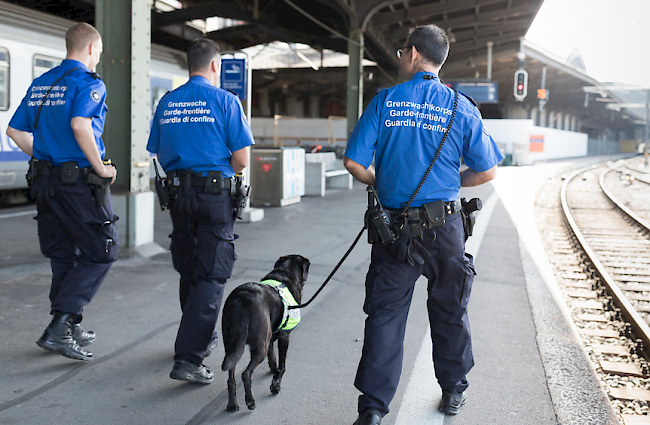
(94, 95)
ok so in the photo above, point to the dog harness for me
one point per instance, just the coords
(290, 318)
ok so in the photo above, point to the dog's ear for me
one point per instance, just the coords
(305, 268)
(279, 262)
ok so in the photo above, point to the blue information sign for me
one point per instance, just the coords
(233, 76)
(481, 92)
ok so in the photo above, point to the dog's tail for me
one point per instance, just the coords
(236, 343)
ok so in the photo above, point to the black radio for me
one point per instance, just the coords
(379, 221)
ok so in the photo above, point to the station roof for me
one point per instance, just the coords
(326, 24)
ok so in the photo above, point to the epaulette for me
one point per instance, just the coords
(233, 93)
(472, 101)
(94, 75)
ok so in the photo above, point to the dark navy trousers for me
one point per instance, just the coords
(389, 290)
(81, 241)
(203, 253)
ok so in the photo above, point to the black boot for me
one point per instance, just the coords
(82, 337)
(58, 338)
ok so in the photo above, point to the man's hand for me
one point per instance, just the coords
(83, 132)
(108, 171)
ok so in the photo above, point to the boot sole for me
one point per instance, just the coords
(55, 348)
(453, 410)
(189, 378)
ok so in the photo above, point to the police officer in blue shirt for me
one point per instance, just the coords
(403, 127)
(201, 137)
(59, 123)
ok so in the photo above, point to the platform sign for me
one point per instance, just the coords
(537, 143)
(481, 92)
(233, 76)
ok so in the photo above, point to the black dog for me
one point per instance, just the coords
(256, 314)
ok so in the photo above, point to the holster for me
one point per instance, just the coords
(32, 172)
(240, 195)
(99, 187)
(469, 220)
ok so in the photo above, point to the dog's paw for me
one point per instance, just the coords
(251, 405)
(275, 388)
(234, 408)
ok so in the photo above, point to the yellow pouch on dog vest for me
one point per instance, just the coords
(290, 318)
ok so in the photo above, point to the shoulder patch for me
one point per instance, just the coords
(95, 95)
(472, 101)
(94, 75)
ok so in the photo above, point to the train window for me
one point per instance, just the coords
(42, 64)
(157, 94)
(4, 79)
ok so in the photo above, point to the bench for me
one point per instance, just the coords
(323, 169)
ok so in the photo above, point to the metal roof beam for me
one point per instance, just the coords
(207, 10)
(465, 46)
(417, 12)
(487, 31)
(494, 17)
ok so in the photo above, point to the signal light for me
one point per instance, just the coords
(521, 84)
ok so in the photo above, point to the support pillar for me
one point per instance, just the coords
(125, 26)
(314, 106)
(355, 79)
(264, 102)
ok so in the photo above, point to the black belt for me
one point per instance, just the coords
(199, 181)
(419, 213)
(451, 207)
(56, 171)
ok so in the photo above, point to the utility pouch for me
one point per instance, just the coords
(69, 173)
(214, 183)
(435, 212)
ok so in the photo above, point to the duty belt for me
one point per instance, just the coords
(418, 213)
(83, 172)
(197, 181)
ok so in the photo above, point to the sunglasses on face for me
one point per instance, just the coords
(401, 50)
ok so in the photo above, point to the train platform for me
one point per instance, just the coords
(530, 368)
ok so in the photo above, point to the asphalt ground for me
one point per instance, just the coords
(525, 352)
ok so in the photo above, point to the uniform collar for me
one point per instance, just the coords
(202, 81)
(421, 75)
(71, 63)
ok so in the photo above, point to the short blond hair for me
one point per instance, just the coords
(79, 36)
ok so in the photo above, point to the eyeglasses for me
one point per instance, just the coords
(401, 50)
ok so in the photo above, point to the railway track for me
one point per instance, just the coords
(599, 248)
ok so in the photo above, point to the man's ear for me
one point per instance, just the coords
(215, 65)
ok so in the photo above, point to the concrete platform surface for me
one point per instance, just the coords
(526, 356)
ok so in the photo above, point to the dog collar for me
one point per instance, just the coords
(290, 318)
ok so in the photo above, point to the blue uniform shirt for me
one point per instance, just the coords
(199, 126)
(79, 94)
(403, 126)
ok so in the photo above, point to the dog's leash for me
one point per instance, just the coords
(356, 240)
